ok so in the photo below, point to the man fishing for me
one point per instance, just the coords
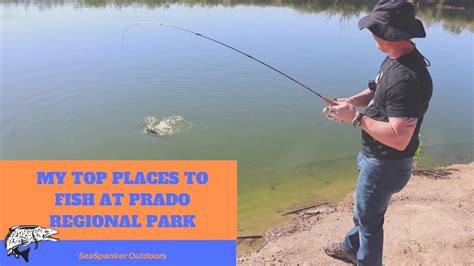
(396, 102)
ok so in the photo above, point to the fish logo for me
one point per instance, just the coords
(23, 235)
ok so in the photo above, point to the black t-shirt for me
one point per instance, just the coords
(404, 89)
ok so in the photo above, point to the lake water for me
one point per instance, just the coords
(70, 90)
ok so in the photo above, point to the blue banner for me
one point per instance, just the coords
(127, 252)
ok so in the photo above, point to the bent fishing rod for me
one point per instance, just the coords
(325, 99)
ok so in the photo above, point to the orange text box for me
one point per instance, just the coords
(23, 201)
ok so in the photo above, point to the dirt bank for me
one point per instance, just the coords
(430, 222)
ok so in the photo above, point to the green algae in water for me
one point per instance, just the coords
(275, 191)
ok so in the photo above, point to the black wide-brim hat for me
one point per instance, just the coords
(393, 20)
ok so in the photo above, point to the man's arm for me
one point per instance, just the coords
(360, 100)
(403, 110)
(396, 134)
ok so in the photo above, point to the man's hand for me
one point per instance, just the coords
(347, 100)
(359, 100)
(344, 111)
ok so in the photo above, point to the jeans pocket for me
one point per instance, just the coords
(369, 174)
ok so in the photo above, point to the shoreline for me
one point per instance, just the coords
(428, 222)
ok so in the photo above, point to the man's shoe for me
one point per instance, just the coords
(335, 250)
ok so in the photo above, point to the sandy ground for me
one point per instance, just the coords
(430, 222)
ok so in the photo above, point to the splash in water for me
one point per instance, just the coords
(165, 127)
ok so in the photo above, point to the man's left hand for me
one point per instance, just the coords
(344, 111)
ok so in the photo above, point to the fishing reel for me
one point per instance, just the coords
(328, 114)
(331, 116)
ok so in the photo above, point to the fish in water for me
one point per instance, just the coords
(23, 235)
(165, 127)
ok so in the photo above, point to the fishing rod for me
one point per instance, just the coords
(325, 99)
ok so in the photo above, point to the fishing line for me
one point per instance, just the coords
(325, 99)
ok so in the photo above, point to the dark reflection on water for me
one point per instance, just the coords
(454, 15)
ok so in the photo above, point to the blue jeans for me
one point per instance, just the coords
(377, 181)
